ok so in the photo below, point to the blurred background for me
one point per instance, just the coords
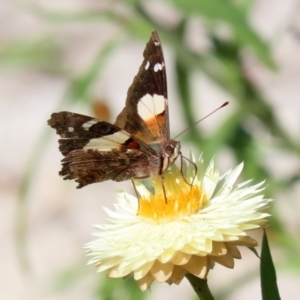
(81, 56)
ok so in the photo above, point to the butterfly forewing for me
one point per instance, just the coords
(78, 131)
(146, 113)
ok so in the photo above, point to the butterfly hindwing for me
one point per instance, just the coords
(90, 166)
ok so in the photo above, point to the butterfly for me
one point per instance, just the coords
(137, 145)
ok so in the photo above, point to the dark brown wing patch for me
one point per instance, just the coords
(76, 126)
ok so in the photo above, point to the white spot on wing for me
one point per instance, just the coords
(150, 106)
(108, 142)
(156, 43)
(158, 67)
(88, 124)
(147, 65)
(70, 129)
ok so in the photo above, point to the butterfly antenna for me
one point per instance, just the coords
(224, 104)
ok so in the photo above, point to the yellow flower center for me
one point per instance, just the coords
(181, 200)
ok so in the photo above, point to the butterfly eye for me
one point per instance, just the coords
(169, 149)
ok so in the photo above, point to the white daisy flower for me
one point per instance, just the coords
(200, 222)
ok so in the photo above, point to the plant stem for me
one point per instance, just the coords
(200, 287)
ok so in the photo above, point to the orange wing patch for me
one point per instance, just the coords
(156, 125)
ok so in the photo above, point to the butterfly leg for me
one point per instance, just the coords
(164, 188)
(181, 169)
(135, 189)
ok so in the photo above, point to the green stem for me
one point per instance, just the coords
(200, 287)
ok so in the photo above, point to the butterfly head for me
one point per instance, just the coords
(171, 150)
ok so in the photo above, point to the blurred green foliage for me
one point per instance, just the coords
(223, 64)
